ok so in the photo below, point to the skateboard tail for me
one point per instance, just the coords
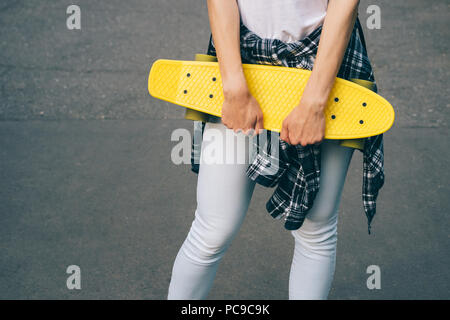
(167, 81)
(157, 86)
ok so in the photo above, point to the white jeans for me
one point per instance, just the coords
(223, 196)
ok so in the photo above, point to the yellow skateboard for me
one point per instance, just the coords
(352, 112)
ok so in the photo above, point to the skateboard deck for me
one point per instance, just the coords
(352, 111)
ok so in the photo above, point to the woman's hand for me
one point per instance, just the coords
(306, 122)
(241, 111)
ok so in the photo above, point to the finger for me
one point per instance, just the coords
(284, 135)
(309, 139)
(293, 139)
(248, 131)
(251, 128)
(302, 140)
(306, 141)
(225, 122)
(234, 127)
(259, 125)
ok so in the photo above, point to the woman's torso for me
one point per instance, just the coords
(286, 20)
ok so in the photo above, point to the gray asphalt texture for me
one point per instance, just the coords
(86, 177)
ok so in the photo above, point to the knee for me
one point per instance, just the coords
(206, 244)
(317, 239)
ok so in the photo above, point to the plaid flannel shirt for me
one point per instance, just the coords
(296, 170)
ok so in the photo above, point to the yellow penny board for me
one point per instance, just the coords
(352, 111)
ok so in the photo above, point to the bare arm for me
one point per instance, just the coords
(240, 110)
(306, 123)
(337, 28)
(224, 22)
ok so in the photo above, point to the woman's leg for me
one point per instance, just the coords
(314, 258)
(223, 196)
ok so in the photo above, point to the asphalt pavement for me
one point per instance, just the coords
(86, 176)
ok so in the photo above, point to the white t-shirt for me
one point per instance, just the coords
(286, 20)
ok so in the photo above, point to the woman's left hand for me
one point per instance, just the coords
(306, 122)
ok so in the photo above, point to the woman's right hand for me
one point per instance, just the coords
(241, 111)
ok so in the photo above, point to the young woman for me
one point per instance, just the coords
(224, 191)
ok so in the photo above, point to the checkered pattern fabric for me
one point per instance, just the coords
(295, 170)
